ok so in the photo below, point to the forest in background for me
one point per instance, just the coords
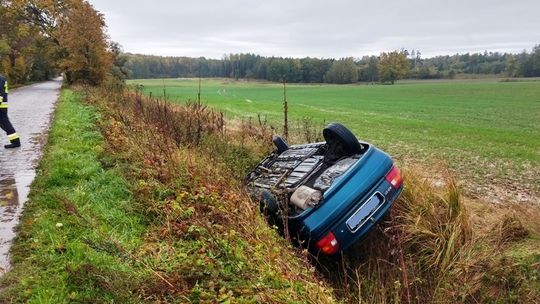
(387, 67)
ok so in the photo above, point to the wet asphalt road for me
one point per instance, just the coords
(30, 110)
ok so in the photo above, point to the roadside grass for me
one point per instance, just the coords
(79, 220)
(488, 132)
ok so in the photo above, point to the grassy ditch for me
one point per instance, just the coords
(206, 237)
(438, 247)
(148, 211)
(432, 248)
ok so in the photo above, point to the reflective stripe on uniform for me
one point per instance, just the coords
(13, 136)
(3, 105)
(6, 88)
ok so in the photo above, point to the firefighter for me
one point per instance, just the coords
(5, 124)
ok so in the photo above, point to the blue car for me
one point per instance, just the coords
(326, 195)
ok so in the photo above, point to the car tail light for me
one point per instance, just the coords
(394, 178)
(328, 244)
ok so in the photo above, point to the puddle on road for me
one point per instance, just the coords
(13, 194)
(9, 197)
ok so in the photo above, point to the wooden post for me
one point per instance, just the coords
(199, 93)
(285, 111)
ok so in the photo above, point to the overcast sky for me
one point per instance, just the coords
(320, 28)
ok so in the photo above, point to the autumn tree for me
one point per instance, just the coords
(85, 56)
(40, 37)
(393, 66)
(30, 47)
(18, 44)
(511, 66)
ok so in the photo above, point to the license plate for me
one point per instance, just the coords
(363, 214)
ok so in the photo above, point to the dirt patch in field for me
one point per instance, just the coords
(494, 180)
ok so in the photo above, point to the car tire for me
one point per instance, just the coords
(337, 131)
(280, 144)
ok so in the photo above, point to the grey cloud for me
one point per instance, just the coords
(320, 28)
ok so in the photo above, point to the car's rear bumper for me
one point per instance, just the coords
(346, 234)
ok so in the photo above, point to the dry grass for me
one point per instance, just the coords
(206, 240)
(430, 251)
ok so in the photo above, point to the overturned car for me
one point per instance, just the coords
(327, 195)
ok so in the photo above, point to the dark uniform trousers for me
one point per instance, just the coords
(5, 124)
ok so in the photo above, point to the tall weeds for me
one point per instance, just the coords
(426, 251)
(207, 239)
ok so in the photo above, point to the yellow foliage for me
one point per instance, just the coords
(82, 38)
(35, 33)
(393, 66)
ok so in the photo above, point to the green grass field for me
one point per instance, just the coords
(488, 131)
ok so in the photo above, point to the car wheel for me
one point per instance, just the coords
(280, 144)
(337, 131)
(269, 204)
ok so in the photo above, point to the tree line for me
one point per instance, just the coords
(386, 68)
(40, 39)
